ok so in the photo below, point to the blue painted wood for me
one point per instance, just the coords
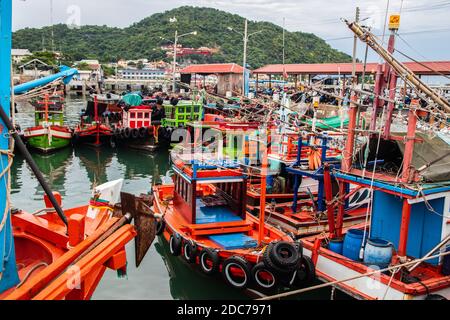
(425, 227)
(429, 189)
(234, 241)
(8, 267)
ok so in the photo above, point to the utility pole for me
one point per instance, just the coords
(284, 41)
(355, 42)
(245, 57)
(174, 86)
(51, 23)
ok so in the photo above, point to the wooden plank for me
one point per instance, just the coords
(218, 225)
(221, 231)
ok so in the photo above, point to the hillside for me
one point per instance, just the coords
(142, 39)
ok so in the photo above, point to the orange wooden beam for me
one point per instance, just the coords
(32, 287)
(59, 289)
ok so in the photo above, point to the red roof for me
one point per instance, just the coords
(213, 68)
(346, 68)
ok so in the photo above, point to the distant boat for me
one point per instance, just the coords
(49, 132)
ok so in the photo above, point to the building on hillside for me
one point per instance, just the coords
(141, 74)
(34, 69)
(93, 72)
(229, 76)
(18, 55)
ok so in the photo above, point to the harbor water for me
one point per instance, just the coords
(74, 172)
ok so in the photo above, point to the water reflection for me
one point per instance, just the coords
(186, 283)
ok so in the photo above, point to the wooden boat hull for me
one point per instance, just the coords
(96, 135)
(56, 263)
(48, 139)
(199, 234)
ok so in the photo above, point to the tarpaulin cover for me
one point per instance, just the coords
(425, 153)
(328, 123)
(132, 99)
(430, 150)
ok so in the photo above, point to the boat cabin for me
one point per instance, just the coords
(137, 117)
(182, 113)
(204, 193)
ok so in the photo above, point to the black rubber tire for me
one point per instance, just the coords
(190, 251)
(259, 282)
(127, 133)
(306, 273)
(269, 263)
(299, 247)
(142, 132)
(175, 244)
(239, 262)
(213, 257)
(285, 255)
(435, 297)
(135, 133)
(160, 227)
(117, 132)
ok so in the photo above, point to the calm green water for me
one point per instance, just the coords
(73, 172)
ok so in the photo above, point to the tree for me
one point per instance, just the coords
(140, 65)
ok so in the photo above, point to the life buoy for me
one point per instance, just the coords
(160, 226)
(142, 132)
(263, 277)
(236, 271)
(209, 261)
(190, 251)
(127, 133)
(306, 273)
(135, 133)
(175, 244)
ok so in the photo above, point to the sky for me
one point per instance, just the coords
(424, 31)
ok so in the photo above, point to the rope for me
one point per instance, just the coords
(324, 285)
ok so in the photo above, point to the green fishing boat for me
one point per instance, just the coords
(49, 132)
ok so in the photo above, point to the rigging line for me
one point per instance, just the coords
(416, 61)
(385, 23)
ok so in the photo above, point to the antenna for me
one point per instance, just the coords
(51, 24)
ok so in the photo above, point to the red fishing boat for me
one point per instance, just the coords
(93, 128)
(204, 219)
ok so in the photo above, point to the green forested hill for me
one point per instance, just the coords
(142, 39)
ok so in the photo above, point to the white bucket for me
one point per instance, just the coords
(228, 94)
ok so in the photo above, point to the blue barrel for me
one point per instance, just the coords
(336, 245)
(352, 244)
(378, 252)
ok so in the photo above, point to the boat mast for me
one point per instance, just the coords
(409, 76)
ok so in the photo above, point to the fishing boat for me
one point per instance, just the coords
(401, 251)
(93, 129)
(204, 219)
(49, 253)
(294, 184)
(49, 133)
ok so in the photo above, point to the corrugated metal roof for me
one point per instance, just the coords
(346, 68)
(216, 68)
